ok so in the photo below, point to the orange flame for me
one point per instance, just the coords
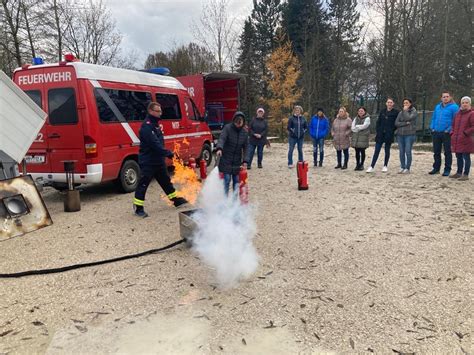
(185, 177)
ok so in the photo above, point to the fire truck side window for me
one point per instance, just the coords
(191, 109)
(131, 104)
(35, 95)
(62, 106)
(170, 106)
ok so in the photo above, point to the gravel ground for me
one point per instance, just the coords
(358, 263)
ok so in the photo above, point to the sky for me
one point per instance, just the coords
(149, 26)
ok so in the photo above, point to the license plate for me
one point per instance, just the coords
(35, 159)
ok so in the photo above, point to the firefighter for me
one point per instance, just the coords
(151, 159)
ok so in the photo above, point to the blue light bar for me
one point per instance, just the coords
(37, 61)
(159, 70)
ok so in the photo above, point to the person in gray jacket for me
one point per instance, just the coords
(232, 151)
(258, 129)
(360, 136)
(406, 134)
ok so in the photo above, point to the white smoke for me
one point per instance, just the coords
(223, 238)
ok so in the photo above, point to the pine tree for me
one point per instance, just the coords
(266, 17)
(344, 18)
(247, 63)
(306, 23)
(283, 73)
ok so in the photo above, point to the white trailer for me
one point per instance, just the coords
(20, 121)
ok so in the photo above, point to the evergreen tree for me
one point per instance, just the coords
(307, 24)
(247, 63)
(344, 18)
(266, 17)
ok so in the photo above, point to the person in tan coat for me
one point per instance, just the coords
(341, 131)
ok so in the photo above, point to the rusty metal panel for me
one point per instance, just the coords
(22, 209)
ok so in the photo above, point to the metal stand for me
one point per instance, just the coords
(72, 201)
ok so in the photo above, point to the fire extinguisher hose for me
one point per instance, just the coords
(84, 265)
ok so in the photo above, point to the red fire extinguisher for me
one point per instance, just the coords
(302, 172)
(243, 186)
(192, 163)
(203, 169)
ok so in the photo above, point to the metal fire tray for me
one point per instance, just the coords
(187, 225)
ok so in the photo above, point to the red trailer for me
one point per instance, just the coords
(216, 95)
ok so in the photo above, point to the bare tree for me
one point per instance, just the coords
(92, 35)
(215, 31)
(11, 17)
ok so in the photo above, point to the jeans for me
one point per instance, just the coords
(318, 143)
(293, 141)
(464, 161)
(378, 148)
(339, 156)
(251, 152)
(405, 144)
(235, 182)
(440, 140)
(360, 156)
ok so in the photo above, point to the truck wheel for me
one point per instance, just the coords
(128, 177)
(206, 153)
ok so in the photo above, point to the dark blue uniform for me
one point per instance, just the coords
(151, 159)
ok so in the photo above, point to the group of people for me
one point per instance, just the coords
(452, 129)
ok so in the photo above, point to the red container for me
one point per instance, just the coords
(302, 172)
(243, 186)
(203, 169)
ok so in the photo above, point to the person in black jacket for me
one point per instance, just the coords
(385, 130)
(297, 127)
(151, 159)
(232, 151)
(258, 129)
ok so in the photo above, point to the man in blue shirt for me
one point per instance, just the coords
(441, 127)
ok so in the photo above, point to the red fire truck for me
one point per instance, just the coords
(215, 94)
(94, 114)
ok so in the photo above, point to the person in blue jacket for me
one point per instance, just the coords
(151, 159)
(318, 130)
(441, 127)
(297, 127)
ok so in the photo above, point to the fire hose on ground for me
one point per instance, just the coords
(84, 265)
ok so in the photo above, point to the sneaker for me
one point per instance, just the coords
(290, 166)
(434, 172)
(320, 164)
(446, 172)
(338, 166)
(401, 171)
(455, 176)
(406, 171)
(384, 169)
(464, 178)
(260, 166)
(140, 213)
(178, 201)
(370, 169)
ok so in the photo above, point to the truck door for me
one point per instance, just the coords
(194, 128)
(174, 125)
(36, 158)
(65, 133)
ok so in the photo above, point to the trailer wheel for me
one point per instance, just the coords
(128, 177)
(206, 153)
